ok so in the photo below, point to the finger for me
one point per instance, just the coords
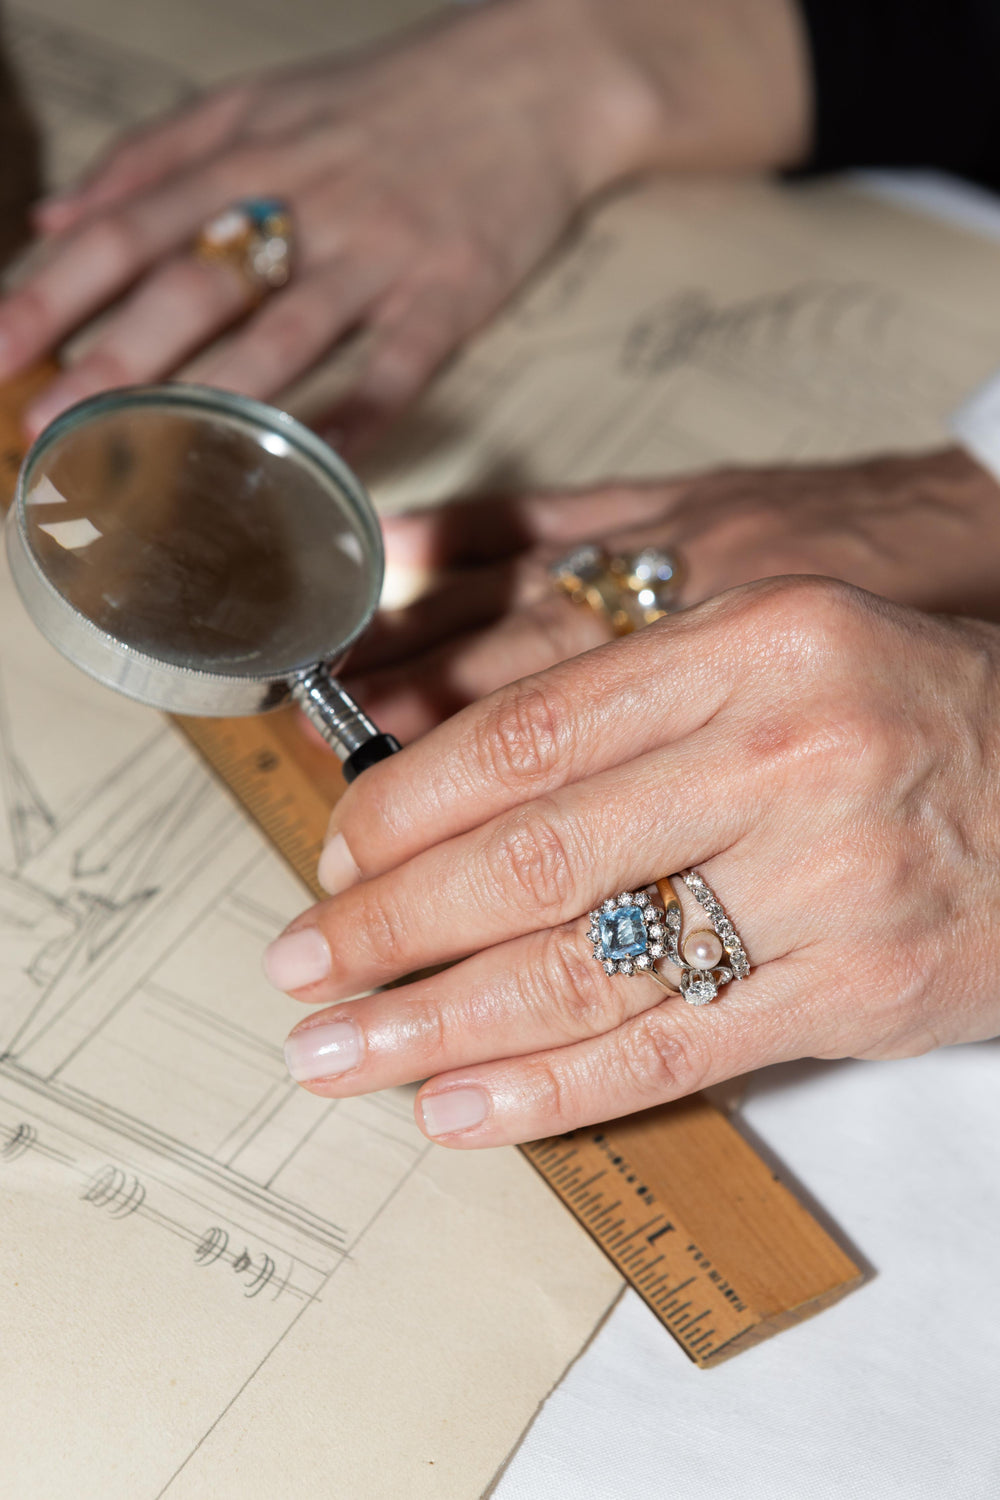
(411, 699)
(535, 992)
(520, 997)
(454, 604)
(479, 529)
(541, 864)
(170, 316)
(145, 157)
(294, 329)
(95, 263)
(666, 1052)
(89, 268)
(537, 735)
(410, 339)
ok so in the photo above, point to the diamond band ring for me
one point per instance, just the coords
(253, 238)
(631, 934)
(629, 591)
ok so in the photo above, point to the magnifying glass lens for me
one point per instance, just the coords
(201, 540)
(203, 553)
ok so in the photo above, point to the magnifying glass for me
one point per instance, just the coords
(202, 553)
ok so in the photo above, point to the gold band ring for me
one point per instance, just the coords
(254, 238)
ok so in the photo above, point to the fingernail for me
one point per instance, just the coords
(42, 412)
(297, 959)
(454, 1110)
(337, 871)
(323, 1051)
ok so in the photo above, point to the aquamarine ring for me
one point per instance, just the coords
(630, 934)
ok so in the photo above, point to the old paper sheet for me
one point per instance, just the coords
(212, 1283)
(697, 324)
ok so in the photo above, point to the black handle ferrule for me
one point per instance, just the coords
(379, 747)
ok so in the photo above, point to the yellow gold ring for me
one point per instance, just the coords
(254, 238)
(629, 590)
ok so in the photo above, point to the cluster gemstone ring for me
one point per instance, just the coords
(630, 934)
(253, 237)
(629, 590)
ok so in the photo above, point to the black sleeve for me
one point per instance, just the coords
(906, 83)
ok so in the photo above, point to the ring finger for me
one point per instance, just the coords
(525, 996)
(528, 870)
(663, 1053)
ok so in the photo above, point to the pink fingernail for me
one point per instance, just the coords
(323, 1051)
(298, 959)
(454, 1110)
(41, 413)
(337, 871)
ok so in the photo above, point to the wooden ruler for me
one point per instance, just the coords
(716, 1245)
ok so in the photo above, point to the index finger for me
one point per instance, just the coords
(585, 715)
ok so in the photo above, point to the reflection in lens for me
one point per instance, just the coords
(199, 539)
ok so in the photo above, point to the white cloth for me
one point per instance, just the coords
(894, 1393)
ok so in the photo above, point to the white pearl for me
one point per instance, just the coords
(702, 950)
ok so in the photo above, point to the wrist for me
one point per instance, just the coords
(684, 85)
(617, 87)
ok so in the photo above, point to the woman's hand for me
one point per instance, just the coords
(921, 530)
(829, 761)
(425, 179)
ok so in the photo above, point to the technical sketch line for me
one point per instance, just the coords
(211, 1018)
(281, 1338)
(320, 1120)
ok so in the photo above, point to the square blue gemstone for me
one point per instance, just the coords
(623, 932)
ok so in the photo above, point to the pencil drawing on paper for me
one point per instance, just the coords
(160, 1097)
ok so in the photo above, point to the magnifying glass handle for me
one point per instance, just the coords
(342, 723)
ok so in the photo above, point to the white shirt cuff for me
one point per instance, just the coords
(976, 425)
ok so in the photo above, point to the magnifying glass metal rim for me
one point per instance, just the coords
(161, 684)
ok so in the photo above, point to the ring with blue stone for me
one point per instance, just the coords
(630, 934)
(253, 237)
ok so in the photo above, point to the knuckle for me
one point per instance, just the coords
(519, 742)
(567, 986)
(248, 167)
(113, 242)
(436, 1036)
(529, 858)
(183, 287)
(402, 362)
(659, 1060)
(552, 1095)
(385, 935)
(467, 262)
(817, 616)
(288, 332)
